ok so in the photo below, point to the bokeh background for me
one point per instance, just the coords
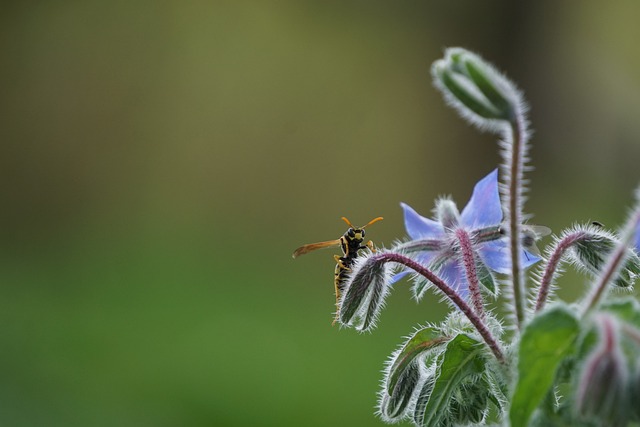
(159, 162)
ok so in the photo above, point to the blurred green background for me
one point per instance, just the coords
(161, 160)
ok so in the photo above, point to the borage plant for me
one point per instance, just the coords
(545, 362)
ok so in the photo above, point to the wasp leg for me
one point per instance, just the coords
(337, 316)
(341, 267)
(371, 247)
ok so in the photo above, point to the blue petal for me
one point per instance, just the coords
(484, 207)
(398, 276)
(529, 259)
(638, 239)
(496, 256)
(454, 276)
(423, 258)
(419, 227)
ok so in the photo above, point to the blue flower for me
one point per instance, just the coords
(433, 242)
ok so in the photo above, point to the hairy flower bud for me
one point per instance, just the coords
(479, 92)
(469, 403)
(394, 405)
(422, 400)
(365, 291)
(447, 213)
(603, 391)
(592, 251)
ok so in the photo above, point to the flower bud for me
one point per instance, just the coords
(475, 88)
(394, 405)
(603, 391)
(364, 293)
(447, 213)
(592, 251)
(422, 400)
(469, 403)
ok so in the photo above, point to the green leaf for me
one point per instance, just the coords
(461, 358)
(423, 340)
(545, 342)
(485, 277)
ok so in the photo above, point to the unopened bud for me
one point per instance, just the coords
(447, 213)
(394, 405)
(469, 403)
(603, 391)
(365, 292)
(475, 88)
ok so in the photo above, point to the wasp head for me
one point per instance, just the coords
(355, 234)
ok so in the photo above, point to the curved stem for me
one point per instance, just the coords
(552, 266)
(475, 320)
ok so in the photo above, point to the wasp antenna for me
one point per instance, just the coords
(347, 221)
(372, 221)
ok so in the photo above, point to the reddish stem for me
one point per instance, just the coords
(468, 259)
(475, 320)
(552, 266)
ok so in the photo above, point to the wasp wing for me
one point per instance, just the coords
(314, 246)
(539, 230)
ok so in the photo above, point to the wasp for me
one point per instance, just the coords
(351, 244)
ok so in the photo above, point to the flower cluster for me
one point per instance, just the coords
(476, 367)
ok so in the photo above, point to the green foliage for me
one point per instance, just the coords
(422, 341)
(460, 361)
(556, 366)
(486, 278)
(545, 343)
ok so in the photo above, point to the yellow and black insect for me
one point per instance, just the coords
(351, 244)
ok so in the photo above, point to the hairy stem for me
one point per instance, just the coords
(475, 320)
(552, 266)
(468, 259)
(514, 203)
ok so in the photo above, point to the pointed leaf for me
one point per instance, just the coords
(423, 340)
(485, 277)
(545, 342)
(461, 358)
